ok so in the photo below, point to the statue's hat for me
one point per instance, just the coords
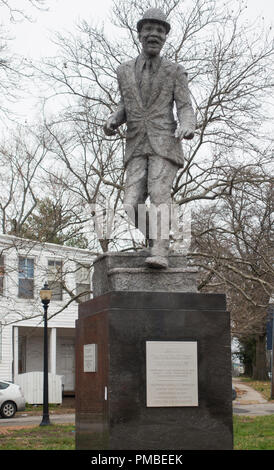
(154, 14)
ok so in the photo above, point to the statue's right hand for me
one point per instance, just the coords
(110, 126)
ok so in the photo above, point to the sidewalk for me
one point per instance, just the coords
(249, 401)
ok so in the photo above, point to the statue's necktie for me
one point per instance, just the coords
(146, 81)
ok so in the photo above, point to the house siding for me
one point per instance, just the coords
(27, 314)
(6, 362)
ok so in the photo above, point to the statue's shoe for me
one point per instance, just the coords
(157, 262)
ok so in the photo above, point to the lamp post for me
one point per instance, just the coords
(272, 368)
(45, 295)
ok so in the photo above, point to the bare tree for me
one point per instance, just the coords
(230, 68)
(19, 10)
(22, 154)
(90, 168)
(13, 68)
(233, 247)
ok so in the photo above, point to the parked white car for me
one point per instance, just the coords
(11, 399)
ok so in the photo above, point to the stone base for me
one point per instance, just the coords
(128, 272)
(111, 407)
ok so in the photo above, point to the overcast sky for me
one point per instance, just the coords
(33, 39)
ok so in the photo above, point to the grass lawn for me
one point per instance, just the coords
(255, 433)
(53, 437)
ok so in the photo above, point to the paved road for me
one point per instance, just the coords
(36, 420)
(249, 403)
(254, 409)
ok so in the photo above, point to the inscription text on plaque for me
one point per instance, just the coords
(90, 357)
(172, 373)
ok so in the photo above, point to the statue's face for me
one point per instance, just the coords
(152, 37)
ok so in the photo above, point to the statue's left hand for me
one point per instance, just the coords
(110, 126)
(184, 133)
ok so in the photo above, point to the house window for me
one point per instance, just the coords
(83, 281)
(55, 279)
(26, 278)
(2, 272)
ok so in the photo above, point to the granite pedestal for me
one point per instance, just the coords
(111, 406)
(128, 272)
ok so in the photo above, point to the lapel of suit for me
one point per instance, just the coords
(163, 75)
(158, 80)
(133, 83)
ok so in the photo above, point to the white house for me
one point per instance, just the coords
(24, 267)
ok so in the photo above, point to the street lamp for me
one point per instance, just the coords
(45, 295)
(272, 368)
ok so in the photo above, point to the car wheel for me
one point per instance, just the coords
(8, 409)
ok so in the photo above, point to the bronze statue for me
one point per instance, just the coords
(149, 86)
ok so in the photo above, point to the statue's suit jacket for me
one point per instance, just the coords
(155, 119)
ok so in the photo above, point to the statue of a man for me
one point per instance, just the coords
(149, 86)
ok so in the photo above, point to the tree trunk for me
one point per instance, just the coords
(248, 369)
(260, 366)
(247, 354)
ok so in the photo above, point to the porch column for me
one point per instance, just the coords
(53, 350)
(15, 352)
